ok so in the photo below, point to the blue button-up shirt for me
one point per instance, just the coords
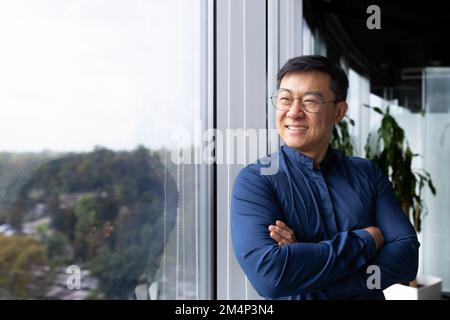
(327, 208)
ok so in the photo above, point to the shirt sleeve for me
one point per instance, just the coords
(279, 271)
(399, 256)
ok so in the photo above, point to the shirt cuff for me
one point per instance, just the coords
(370, 249)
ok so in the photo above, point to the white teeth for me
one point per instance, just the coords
(300, 128)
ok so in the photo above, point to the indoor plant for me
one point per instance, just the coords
(390, 150)
(341, 139)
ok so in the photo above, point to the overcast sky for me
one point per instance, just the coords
(75, 74)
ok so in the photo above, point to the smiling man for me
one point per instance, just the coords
(313, 229)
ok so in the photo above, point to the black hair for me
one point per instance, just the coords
(339, 80)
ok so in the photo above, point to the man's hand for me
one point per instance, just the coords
(281, 233)
(377, 236)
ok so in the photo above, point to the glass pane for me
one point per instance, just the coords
(91, 204)
(436, 239)
(307, 39)
(437, 83)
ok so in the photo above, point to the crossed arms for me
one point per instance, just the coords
(278, 265)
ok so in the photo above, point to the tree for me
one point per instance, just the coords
(24, 272)
(86, 214)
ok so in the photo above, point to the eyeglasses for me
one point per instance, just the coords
(282, 99)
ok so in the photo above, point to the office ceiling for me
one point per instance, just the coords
(413, 35)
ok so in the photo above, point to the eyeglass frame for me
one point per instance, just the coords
(303, 107)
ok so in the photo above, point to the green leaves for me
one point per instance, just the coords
(392, 154)
(341, 139)
(378, 110)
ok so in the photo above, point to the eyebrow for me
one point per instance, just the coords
(315, 93)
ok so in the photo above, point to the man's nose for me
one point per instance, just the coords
(296, 109)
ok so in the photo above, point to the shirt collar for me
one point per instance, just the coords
(299, 157)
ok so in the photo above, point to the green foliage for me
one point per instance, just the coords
(119, 271)
(58, 249)
(42, 229)
(16, 168)
(85, 212)
(391, 152)
(24, 271)
(105, 212)
(340, 139)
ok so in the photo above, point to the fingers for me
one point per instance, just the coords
(282, 233)
(281, 224)
(285, 231)
(377, 236)
(279, 239)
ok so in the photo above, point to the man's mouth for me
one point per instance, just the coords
(297, 128)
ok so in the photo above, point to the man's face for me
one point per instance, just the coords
(309, 132)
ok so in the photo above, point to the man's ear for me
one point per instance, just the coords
(341, 111)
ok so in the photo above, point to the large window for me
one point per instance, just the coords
(94, 96)
(436, 145)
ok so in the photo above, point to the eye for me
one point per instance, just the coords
(311, 102)
(285, 98)
(311, 98)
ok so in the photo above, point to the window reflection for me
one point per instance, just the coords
(109, 213)
(122, 75)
